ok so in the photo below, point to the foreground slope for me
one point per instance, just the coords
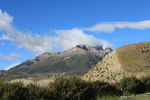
(80, 58)
(129, 60)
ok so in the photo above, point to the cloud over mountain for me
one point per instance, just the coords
(73, 37)
(64, 39)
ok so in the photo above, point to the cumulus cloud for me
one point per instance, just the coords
(11, 56)
(64, 39)
(112, 26)
(5, 20)
(34, 43)
(72, 37)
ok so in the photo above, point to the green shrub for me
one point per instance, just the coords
(105, 89)
(1, 89)
(13, 91)
(72, 89)
(39, 93)
(131, 85)
(146, 82)
(34, 92)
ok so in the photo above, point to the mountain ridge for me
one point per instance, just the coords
(69, 60)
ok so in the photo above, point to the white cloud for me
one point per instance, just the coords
(112, 26)
(11, 56)
(64, 39)
(5, 37)
(12, 65)
(34, 43)
(5, 20)
(69, 38)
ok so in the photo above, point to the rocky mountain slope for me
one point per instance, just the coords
(80, 58)
(129, 60)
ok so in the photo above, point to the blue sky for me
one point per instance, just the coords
(31, 27)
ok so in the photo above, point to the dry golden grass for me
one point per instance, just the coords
(135, 56)
(40, 82)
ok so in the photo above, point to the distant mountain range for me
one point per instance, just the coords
(126, 61)
(2, 70)
(77, 59)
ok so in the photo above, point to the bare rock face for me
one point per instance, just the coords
(85, 47)
(79, 58)
(108, 50)
(97, 47)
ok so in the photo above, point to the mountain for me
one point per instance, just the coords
(2, 70)
(126, 61)
(79, 58)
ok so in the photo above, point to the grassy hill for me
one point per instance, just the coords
(135, 57)
(126, 61)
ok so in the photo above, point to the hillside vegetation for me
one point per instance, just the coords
(126, 61)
